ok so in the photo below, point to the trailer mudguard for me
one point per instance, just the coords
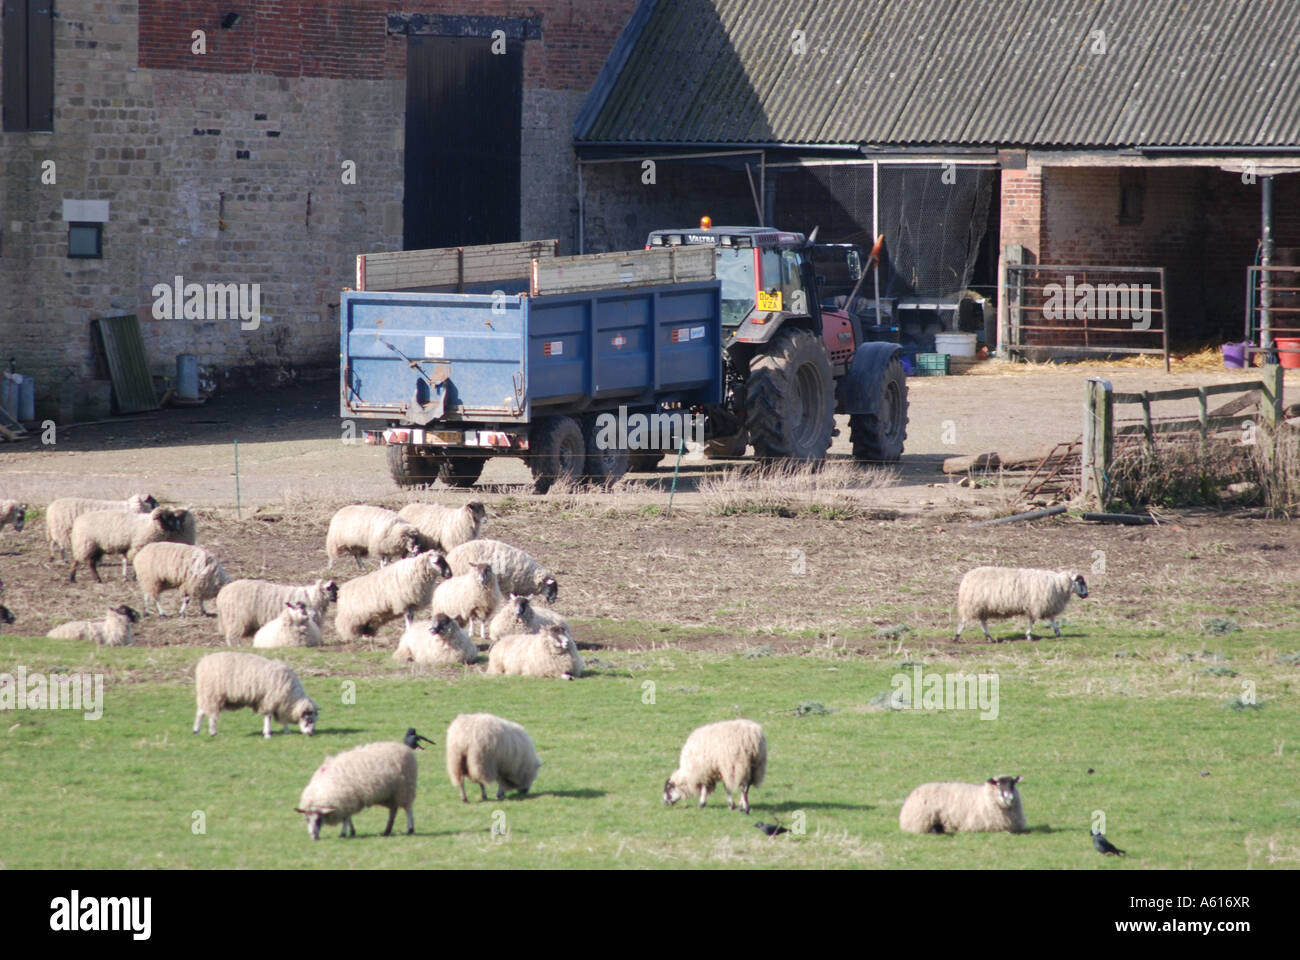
(858, 390)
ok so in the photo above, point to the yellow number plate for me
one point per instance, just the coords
(769, 301)
(446, 436)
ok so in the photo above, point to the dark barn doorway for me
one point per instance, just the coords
(464, 108)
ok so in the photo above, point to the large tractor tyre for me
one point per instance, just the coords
(460, 471)
(603, 464)
(408, 468)
(557, 450)
(790, 398)
(727, 448)
(879, 435)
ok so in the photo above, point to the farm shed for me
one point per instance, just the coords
(981, 138)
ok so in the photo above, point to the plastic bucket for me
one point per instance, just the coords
(1289, 361)
(1234, 355)
(955, 344)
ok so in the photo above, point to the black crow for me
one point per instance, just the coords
(1105, 846)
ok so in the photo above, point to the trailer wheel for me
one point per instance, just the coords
(879, 436)
(408, 468)
(460, 471)
(603, 464)
(557, 449)
(790, 398)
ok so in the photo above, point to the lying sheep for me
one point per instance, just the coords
(62, 513)
(6, 616)
(373, 775)
(438, 641)
(990, 807)
(113, 631)
(485, 748)
(472, 596)
(1007, 592)
(104, 532)
(11, 511)
(520, 615)
(178, 566)
(365, 531)
(733, 751)
(230, 680)
(245, 605)
(551, 653)
(516, 571)
(445, 528)
(397, 590)
(296, 626)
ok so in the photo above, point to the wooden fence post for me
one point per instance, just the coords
(1098, 426)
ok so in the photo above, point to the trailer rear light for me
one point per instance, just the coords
(372, 438)
(399, 436)
(493, 438)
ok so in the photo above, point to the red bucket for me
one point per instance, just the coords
(1290, 361)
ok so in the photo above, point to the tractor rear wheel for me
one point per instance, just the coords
(556, 449)
(879, 435)
(790, 398)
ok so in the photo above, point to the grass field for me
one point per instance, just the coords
(1183, 778)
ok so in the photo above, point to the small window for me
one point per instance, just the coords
(1132, 191)
(86, 241)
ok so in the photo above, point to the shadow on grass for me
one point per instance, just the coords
(791, 805)
(572, 794)
(320, 732)
(397, 834)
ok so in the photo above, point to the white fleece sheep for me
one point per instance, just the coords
(990, 807)
(6, 616)
(373, 775)
(436, 641)
(365, 531)
(520, 615)
(296, 626)
(62, 513)
(245, 605)
(516, 571)
(178, 566)
(113, 631)
(102, 533)
(397, 590)
(229, 680)
(551, 653)
(489, 749)
(11, 511)
(1008, 592)
(469, 597)
(445, 528)
(186, 529)
(733, 751)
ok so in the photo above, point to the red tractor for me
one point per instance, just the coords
(792, 359)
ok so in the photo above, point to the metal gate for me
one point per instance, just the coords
(464, 108)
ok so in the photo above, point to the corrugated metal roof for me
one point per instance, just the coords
(1033, 73)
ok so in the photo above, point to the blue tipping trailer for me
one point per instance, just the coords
(461, 377)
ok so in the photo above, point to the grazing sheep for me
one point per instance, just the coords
(1007, 592)
(551, 653)
(990, 807)
(166, 566)
(472, 596)
(519, 615)
(6, 616)
(113, 631)
(397, 590)
(733, 751)
(485, 748)
(438, 641)
(245, 605)
(230, 680)
(11, 511)
(445, 528)
(297, 626)
(104, 532)
(373, 775)
(185, 529)
(364, 531)
(62, 513)
(516, 571)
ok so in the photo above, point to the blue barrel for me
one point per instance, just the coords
(187, 376)
(27, 399)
